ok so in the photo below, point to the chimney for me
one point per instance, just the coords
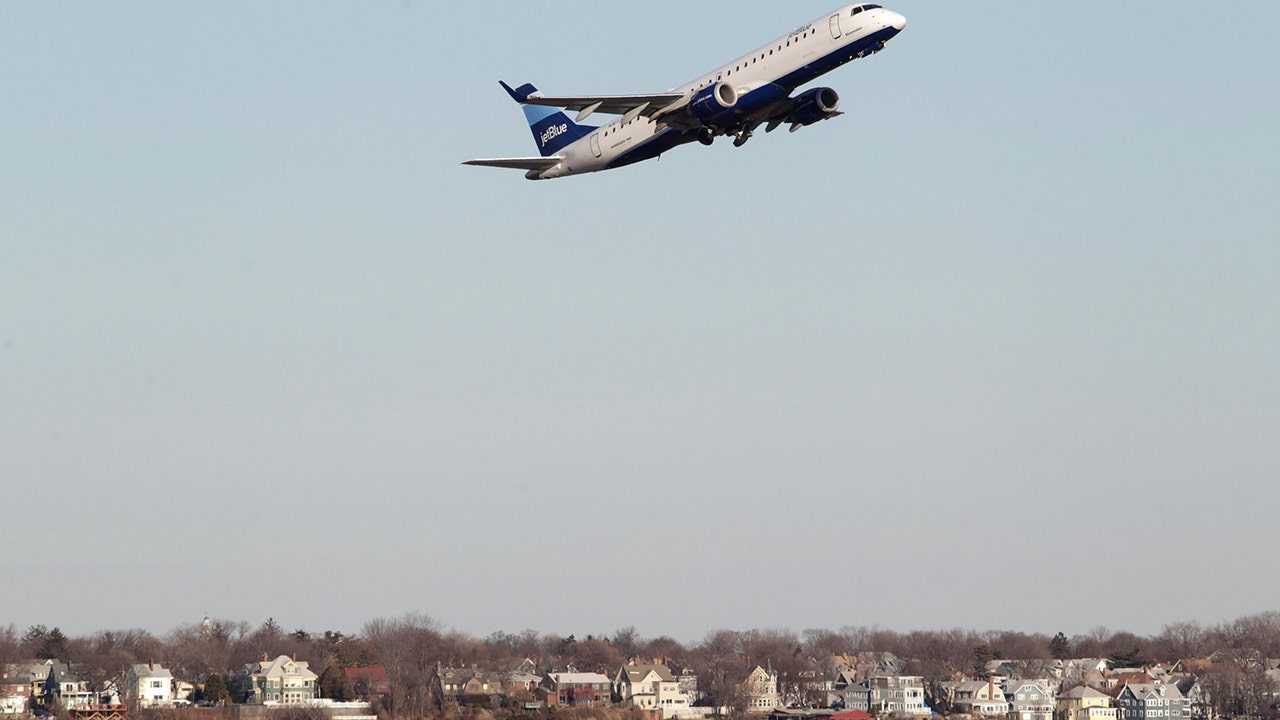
(295, 656)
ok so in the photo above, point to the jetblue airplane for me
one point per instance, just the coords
(736, 99)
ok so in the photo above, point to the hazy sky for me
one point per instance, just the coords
(998, 348)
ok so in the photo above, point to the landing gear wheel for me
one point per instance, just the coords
(706, 136)
(741, 138)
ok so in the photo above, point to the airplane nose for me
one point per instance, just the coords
(898, 21)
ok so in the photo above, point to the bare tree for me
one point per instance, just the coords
(1238, 686)
(666, 648)
(410, 647)
(10, 646)
(721, 667)
(1180, 640)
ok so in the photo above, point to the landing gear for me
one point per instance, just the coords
(741, 137)
(706, 135)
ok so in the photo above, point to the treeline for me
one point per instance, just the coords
(410, 647)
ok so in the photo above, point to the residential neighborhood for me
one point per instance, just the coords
(381, 675)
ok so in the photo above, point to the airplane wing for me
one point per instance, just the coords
(530, 163)
(650, 105)
(585, 105)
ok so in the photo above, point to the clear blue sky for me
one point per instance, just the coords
(998, 348)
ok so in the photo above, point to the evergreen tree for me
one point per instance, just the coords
(54, 645)
(1060, 647)
(215, 690)
(1131, 659)
(335, 685)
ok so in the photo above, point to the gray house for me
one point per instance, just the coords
(1151, 701)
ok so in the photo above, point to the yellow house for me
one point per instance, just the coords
(1084, 703)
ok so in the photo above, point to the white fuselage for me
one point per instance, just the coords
(789, 61)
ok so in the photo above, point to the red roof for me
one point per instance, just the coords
(371, 675)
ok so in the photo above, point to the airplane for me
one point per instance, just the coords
(732, 100)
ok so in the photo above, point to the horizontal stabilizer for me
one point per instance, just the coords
(530, 163)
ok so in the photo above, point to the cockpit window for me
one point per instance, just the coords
(856, 10)
(860, 8)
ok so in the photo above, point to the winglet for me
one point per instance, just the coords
(521, 93)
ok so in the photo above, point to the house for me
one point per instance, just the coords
(284, 680)
(457, 684)
(1199, 704)
(897, 694)
(1151, 701)
(886, 694)
(1090, 671)
(21, 684)
(808, 687)
(1029, 699)
(1085, 703)
(761, 691)
(847, 692)
(148, 685)
(688, 681)
(15, 690)
(522, 683)
(575, 689)
(1128, 676)
(979, 697)
(369, 682)
(67, 688)
(650, 687)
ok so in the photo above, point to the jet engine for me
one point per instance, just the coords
(814, 106)
(713, 101)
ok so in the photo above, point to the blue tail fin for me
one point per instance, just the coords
(552, 130)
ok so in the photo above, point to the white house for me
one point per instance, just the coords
(149, 685)
(761, 691)
(981, 698)
(651, 687)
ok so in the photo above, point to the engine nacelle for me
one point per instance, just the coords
(815, 105)
(713, 101)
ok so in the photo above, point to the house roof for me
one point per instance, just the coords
(1081, 692)
(579, 677)
(456, 674)
(147, 670)
(368, 674)
(284, 665)
(26, 672)
(1142, 690)
(637, 673)
(62, 672)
